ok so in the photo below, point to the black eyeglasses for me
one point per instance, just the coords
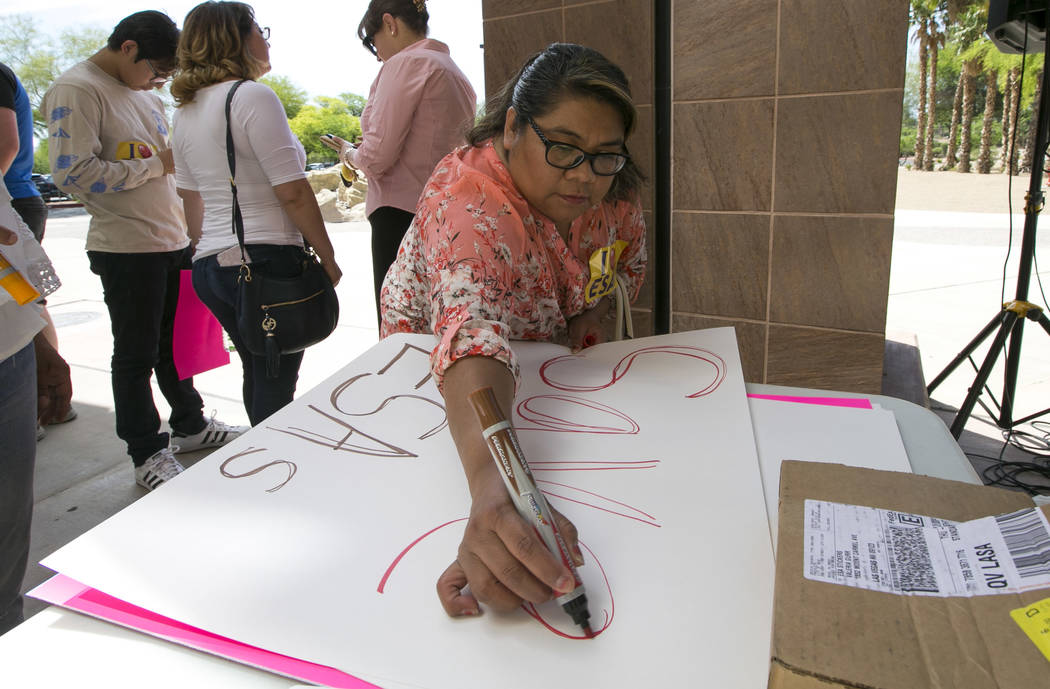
(264, 31)
(158, 78)
(567, 156)
(370, 44)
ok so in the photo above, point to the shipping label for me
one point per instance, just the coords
(904, 553)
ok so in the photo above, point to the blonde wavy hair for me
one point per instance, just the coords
(212, 48)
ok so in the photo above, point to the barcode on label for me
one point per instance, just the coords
(1028, 542)
(909, 560)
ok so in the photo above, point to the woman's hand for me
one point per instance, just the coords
(54, 387)
(340, 146)
(502, 559)
(331, 269)
(585, 329)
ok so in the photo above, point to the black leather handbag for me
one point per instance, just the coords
(278, 315)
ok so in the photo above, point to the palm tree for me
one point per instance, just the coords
(934, 42)
(950, 161)
(997, 68)
(968, 76)
(968, 21)
(1029, 147)
(922, 35)
(1011, 101)
(984, 158)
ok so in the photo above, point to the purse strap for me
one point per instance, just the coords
(238, 219)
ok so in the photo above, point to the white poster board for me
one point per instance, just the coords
(822, 433)
(320, 534)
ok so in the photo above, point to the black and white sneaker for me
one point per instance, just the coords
(160, 467)
(215, 434)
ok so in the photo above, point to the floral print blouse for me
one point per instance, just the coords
(479, 267)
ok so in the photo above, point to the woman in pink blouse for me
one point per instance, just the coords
(419, 107)
(499, 251)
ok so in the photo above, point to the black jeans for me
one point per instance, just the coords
(33, 211)
(217, 287)
(141, 292)
(389, 225)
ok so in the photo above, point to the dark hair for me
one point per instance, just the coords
(564, 70)
(212, 48)
(412, 12)
(153, 31)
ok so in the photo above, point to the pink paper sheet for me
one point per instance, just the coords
(852, 402)
(69, 593)
(197, 344)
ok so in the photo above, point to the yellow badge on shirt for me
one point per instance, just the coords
(603, 270)
(133, 150)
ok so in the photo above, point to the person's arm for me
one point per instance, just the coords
(390, 112)
(277, 150)
(501, 556)
(187, 189)
(8, 138)
(75, 148)
(9, 141)
(298, 201)
(54, 386)
(193, 207)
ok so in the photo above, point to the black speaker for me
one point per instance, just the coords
(1008, 20)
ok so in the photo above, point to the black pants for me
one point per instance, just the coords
(389, 225)
(217, 288)
(33, 211)
(141, 293)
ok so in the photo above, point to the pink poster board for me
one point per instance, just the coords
(69, 593)
(851, 402)
(197, 344)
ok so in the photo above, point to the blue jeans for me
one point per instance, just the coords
(18, 431)
(217, 287)
(141, 293)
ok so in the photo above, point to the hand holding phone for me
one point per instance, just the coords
(333, 142)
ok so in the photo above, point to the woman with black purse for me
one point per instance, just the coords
(272, 204)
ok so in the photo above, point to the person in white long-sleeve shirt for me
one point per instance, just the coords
(109, 147)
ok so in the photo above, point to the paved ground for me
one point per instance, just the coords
(950, 274)
(946, 283)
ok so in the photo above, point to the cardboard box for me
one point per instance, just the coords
(827, 636)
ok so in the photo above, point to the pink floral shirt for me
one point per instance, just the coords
(479, 267)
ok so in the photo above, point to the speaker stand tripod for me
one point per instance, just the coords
(1009, 322)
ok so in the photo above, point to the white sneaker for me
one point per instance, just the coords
(215, 434)
(160, 467)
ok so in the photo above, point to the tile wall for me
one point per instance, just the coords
(786, 119)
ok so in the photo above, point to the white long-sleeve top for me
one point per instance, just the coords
(103, 139)
(267, 154)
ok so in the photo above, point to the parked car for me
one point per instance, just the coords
(320, 166)
(48, 189)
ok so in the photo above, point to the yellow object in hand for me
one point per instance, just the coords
(16, 285)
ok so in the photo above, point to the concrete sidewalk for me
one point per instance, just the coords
(945, 286)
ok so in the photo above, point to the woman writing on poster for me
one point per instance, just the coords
(500, 250)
